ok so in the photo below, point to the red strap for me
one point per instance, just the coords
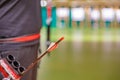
(49, 11)
(21, 38)
(3, 72)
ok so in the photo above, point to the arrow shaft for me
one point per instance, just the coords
(42, 55)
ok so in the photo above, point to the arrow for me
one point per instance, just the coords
(52, 47)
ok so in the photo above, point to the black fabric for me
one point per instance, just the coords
(3, 2)
(19, 18)
(1, 76)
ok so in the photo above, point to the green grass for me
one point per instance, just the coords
(84, 35)
(85, 54)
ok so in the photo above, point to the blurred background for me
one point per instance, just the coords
(91, 48)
